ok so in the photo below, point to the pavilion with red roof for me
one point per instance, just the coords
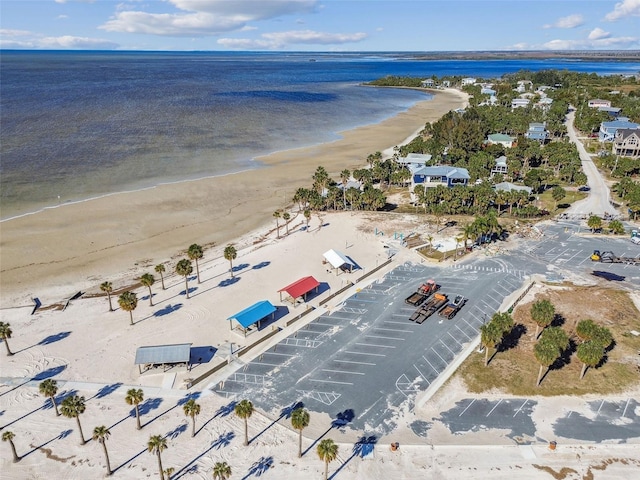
(300, 288)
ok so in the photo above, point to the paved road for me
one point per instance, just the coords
(598, 200)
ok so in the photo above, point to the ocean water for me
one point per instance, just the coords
(76, 125)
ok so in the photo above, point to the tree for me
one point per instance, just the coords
(558, 193)
(616, 227)
(134, 397)
(490, 335)
(195, 253)
(585, 329)
(594, 223)
(244, 410)
(299, 421)
(590, 353)
(184, 268)
(277, 214)
(504, 321)
(156, 444)
(128, 302)
(192, 409)
(307, 217)
(49, 388)
(72, 407)
(8, 437)
(602, 336)
(5, 334)
(107, 287)
(546, 353)
(101, 434)
(160, 270)
(328, 452)
(345, 175)
(230, 253)
(286, 216)
(557, 336)
(147, 280)
(221, 471)
(542, 312)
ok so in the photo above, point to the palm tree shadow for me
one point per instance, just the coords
(260, 265)
(179, 403)
(363, 447)
(176, 432)
(229, 281)
(167, 309)
(63, 434)
(565, 356)
(48, 340)
(342, 420)
(285, 412)
(48, 373)
(106, 390)
(512, 339)
(46, 405)
(259, 467)
(558, 320)
(220, 442)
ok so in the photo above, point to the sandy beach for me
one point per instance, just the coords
(90, 350)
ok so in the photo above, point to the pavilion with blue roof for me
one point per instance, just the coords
(251, 315)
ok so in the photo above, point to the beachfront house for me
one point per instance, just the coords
(608, 129)
(500, 166)
(523, 86)
(488, 91)
(467, 81)
(613, 112)
(511, 187)
(598, 102)
(537, 131)
(445, 175)
(626, 142)
(428, 83)
(519, 103)
(500, 139)
(413, 161)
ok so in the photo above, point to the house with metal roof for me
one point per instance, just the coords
(500, 166)
(537, 131)
(626, 142)
(519, 103)
(608, 129)
(511, 187)
(252, 315)
(415, 160)
(445, 175)
(500, 139)
(598, 102)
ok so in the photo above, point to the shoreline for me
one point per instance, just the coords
(115, 237)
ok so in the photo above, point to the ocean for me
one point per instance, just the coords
(77, 125)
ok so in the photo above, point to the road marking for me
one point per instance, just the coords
(445, 362)
(434, 368)
(625, 408)
(386, 338)
(521, 406)
(282, 354)
(598, 412)
(462, 331)
(421, 375)
(267, 364)
(341, 371)
(374, 345)
(447, 347)
(394, 329)
(365, 353)
(496, 406)
(461, 413)
(356, 363)
(456, 340)
(329, 381)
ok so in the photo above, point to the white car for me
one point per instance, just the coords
(636, 240)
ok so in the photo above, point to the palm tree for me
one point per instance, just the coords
(160, 270)
(184, 268)
(585, 329)
(230, 253)
(546, 353)
(286, 216)
(557, 336)
(156, 444)
(49, 388)
(594, 223)
(490, 335)
(8, 437)
(192, 409)
(134, 397)
(128, 302)
(277, 215)
(590, 353)
(72, 407)
(307, 217)
(299, 421)
(195, 253)
(221, 471)
(107, 288)
(328, 452)
(244, 410)
(542, 312)
(344, 177)
(101, 434)
(147, 280)
(5, 334)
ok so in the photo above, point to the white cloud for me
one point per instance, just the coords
(571, 21)
(626, 8)
(296, 37)
(29, 40)
(593, 44)
(62, 17)
(597, 34)
(204, 17)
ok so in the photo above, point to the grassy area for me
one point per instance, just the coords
(548, 203)
(515, 369)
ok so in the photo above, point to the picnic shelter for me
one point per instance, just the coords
(163, 355)
(338, 260)
(251, 315)
(300, 288)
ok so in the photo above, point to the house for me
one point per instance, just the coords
(468, 81)
(488, 91)
(428, 83)
(523, 86)
(500, 166)
(413, 161)
(500, 139)
(511, 187)
(608, 129)
(445, 175)
(597, 103)
(612, 111)
(544, 103)
(446, 83)
(537, 131)
(519, 103)
(626, 142)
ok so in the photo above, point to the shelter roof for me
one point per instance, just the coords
(337, 259)
(163, 354)
(300, 287)
(254, 313)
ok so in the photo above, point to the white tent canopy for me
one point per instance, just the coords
(338, 260)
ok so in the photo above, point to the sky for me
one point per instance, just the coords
(320, 25)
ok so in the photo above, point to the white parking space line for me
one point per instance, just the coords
(462, 412)
(394, 329)
(342, 371)
(434, 368)
(445, 362)
(521, 407)
(365, 353)
(374, 345)
(330, 381)
(454, 338)
(267, 364)
(494, 407)
(574, 255)
(385, 338)
(598, 412)
(324, 324)
(421, 375)
(447, 347)
(354, 362)
(281, 354)
(625, 407)
(462, 331)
